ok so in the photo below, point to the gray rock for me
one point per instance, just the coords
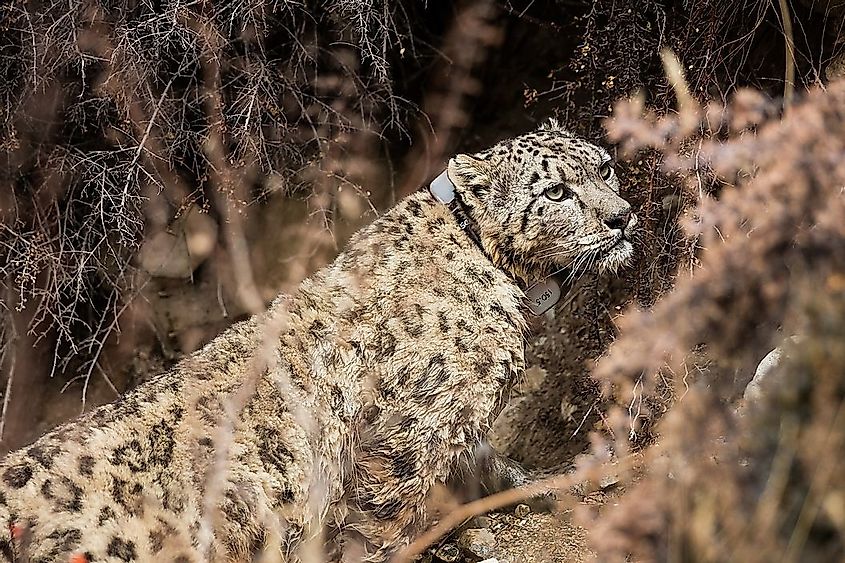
(177, 251)
(480, 522)
(765, 374)
(478, 541)
(448, 552)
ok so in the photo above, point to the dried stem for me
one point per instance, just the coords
(789, 57)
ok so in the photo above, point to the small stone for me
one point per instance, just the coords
(165, 255)
(532, 379)
(478, 541)
(177, 251)
(522, 510)
(836, 68)
(481, 522)
(608, 481)
(447, 552)
(200, 233)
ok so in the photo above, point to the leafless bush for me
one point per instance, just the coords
(104, 104)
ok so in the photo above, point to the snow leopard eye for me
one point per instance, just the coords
(606, 171)
(557, 192)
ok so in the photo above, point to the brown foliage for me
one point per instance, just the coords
(767, 484)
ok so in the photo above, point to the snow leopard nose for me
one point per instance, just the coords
(619, 220)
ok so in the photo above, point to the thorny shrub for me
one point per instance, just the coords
(106, 105)
(766, 482)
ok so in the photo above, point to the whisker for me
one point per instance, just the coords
(560, 247)
(554, 254)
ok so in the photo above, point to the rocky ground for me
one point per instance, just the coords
(520, 536)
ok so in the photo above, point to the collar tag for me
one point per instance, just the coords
(543, 295)
(442, 188)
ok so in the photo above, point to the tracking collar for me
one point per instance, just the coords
(443, 191)
(543, 295)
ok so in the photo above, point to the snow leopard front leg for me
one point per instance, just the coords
(485, 471)
(396, 463)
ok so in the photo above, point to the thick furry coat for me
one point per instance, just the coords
(335, 413)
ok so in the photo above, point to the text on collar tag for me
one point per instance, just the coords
(543, 295)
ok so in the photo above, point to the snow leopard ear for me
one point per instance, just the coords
(470, 174)
(552, 124)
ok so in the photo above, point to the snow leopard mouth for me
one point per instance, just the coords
(619, 253)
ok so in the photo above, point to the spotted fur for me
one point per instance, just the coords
(352, 399)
